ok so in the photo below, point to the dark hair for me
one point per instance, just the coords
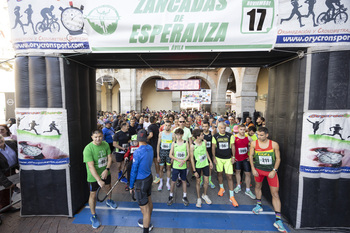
(179, 131)
(96, 131)
(252, 128)
(167, 122)
(123, 124)
(205, 122)
(196, 133)
(263, 129)
(152, 119)
(7, 129)
(249, 118)
(241, 126)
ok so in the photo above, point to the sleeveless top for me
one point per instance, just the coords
(264, 159)
(180, 152)
(165, 141)
(208, 138)
(223, 146)
(241, 148)
(200, 155)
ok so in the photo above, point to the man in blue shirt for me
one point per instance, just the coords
(141, 178)
(108, 133)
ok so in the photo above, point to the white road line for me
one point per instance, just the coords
(188, 210)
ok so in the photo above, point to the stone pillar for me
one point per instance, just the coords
(98, 97)
(176, 101)
(218, 105)
(133, 89)
(108, 99)
(246, 91)
(125, 99)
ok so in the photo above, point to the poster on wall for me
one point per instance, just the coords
(48, 26)
(181, 26)
(42, 137)
(325, 150)
(196, 97)
(313, 23)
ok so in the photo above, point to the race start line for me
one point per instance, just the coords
(215, 216)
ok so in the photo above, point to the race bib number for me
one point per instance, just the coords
(223, 145)
(102, 162)
(208, 144)
(242, 151)
(132, 150)
(165, 146)
(181, 154)
(265, 160)
(202, 158)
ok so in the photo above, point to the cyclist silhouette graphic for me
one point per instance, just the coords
(337, 15)
(49, 21)
(295, 11)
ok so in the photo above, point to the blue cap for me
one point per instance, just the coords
(227, 122)
(108, 122)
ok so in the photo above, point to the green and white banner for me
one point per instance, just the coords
(180, 26)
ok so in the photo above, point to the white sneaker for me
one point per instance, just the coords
(206, 199)
(199, 203)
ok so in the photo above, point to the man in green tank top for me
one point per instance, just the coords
(201, 163)
(179, 154)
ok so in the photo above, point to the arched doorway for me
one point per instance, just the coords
(108, 94)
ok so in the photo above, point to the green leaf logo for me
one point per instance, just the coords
(103, 19)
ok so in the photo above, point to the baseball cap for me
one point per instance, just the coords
(142, 135)
(134, 137)
(235, 129)
(108, 122)
(227, 122)
(221, 119)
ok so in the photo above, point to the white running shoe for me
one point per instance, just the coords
(206, 199)
(199, 203)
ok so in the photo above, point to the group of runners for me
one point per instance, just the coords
(181, 145)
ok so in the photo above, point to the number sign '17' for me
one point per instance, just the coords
(178, 85)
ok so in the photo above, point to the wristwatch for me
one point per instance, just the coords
(276, 170)
(194, 172)
(107, 168)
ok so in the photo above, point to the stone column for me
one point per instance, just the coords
(218, 105)
(176, 101)
(125, 99)
(246, 91)
(108, 98)
(98, 97)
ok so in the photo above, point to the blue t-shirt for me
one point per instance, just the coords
(108, 134)
(142, 163)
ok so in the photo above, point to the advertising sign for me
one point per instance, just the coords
(193, 98)
(181, 26)
(42, 137)
(313, 23)
(48, 26)
(325, 150)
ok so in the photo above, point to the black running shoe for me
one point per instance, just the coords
(170, 201)
(185, 201)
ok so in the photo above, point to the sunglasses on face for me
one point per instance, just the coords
(182, 121)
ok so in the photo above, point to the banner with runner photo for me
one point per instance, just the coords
(313, 23)
(181, 26)
(325, 149)
(48, 26)
(42, 136)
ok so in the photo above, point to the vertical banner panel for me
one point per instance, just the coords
(54, 91)
(37, 82)
(22, 82)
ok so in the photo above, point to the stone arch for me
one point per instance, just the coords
(202, 76)
(107, 93)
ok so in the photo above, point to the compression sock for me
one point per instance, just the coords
(221, 186)
(258, 201)
(278, 216)
(209, 179)
(161, 181)
(231, 193)
(168, 180)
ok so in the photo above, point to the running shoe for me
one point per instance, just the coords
(110, 203)
(199, 203)
(119, 175)
(140, 223)
(170, 200)
(221, 192)
(124, 180)
(257, 209)
(250, 194)
(206, 199)
(187, 183)
(212, 185)
(233, 201)
(160, 187)
(178, 182)
(237, 189)
(156, 180)
(185, 201)
(168, 186)
(279, 225)
(95, 222)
